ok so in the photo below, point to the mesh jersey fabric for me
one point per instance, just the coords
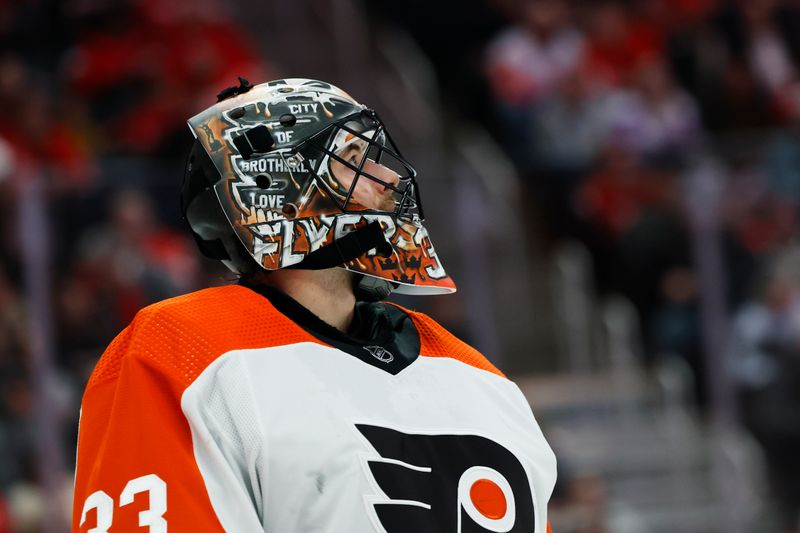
(438, 342)
(184, 335)
(131, 423)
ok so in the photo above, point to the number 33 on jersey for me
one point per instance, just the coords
(152, 517)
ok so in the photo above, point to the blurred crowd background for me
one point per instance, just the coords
(614, 185)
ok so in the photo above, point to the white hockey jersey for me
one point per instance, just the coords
(231, 410)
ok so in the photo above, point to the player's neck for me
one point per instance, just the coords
(326, 293)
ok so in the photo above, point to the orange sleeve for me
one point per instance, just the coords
(549, 528)
(132, 428)
(136, 464)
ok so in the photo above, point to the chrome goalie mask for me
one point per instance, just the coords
(294, 173)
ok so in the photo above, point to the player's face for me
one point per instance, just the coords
(368, 193)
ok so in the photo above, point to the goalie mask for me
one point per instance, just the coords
(294, 173)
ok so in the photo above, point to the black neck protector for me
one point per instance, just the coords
(380, 335)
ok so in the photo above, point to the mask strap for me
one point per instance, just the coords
(345, 249)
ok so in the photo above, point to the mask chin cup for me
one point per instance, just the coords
(371, 289)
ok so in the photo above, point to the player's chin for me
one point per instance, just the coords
(377, 202)
(387, 204)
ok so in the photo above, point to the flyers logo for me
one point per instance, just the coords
(447, 484)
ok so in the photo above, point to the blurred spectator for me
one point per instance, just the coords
(656, 243)
(693, 48)
(619, 43)
(120, 267)
(736, 101)
(134, 258)
(633, 222)
(529, 60)
(35, 131)
(14, 344)
(525, 64)
(16, 437)
(651, 118)
(570, 128)
(83, 87)
(763, 34)
(140, 65)
(611, 198)
(17, 434)
(782, 164)
(674, 330)
(749, 63)
(758, 221)
(765, 363)
(766, 226)
(654, 116)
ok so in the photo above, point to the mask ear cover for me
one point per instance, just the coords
(207, 222)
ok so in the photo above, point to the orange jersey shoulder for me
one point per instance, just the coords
(183, 335)
(133, 436)
(436, 341)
